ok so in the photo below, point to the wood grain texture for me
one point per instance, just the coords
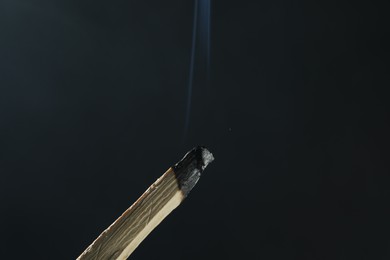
(120, 239)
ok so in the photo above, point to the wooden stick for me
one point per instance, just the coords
(120, 239)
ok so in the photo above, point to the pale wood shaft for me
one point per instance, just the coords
(120, 239)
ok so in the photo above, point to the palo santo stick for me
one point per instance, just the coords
(120, 239)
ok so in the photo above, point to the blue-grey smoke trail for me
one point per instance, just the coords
(208, 37)
(192, 67)
(205, 7)
(202, 16)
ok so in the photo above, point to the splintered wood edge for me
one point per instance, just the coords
(123, 236)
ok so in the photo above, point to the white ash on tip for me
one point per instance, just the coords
(207, 157)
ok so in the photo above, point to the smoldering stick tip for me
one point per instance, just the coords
(188, 170)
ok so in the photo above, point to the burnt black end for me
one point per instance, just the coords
(189, 169)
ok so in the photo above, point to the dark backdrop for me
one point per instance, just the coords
(92, 111)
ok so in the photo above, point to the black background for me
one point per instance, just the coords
(92, 111)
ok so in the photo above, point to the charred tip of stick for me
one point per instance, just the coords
(189, 169)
